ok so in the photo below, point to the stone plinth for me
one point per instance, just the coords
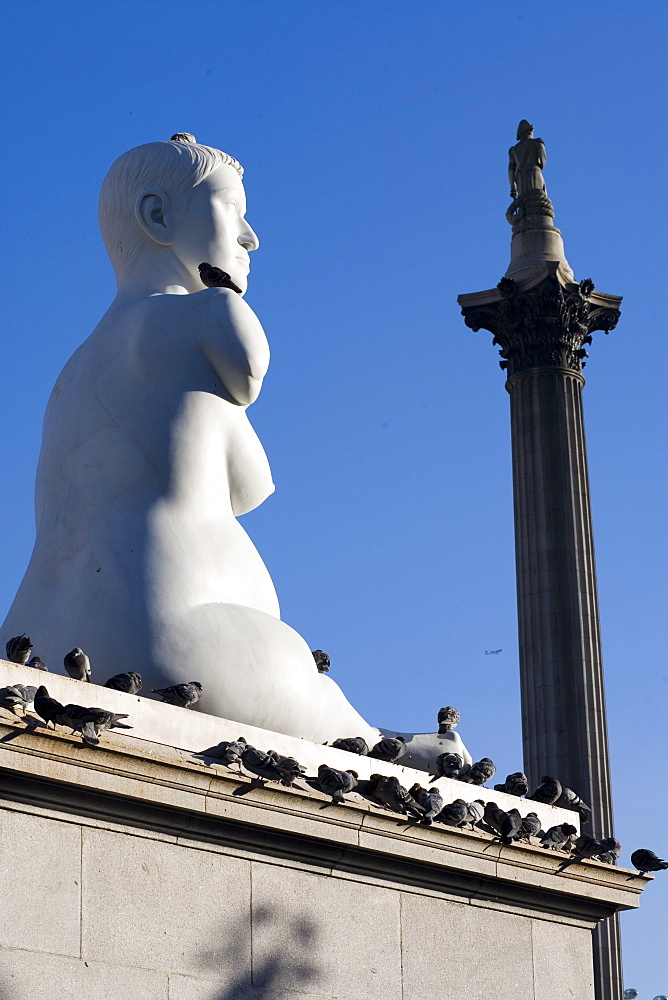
(136, 871)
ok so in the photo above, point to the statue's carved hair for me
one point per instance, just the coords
(174, 167)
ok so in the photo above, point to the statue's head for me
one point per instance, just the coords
(177, 203)
(448, 718)
(524, 129)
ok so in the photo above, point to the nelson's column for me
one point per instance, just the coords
(541, 318)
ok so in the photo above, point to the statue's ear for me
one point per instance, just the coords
(153, 214)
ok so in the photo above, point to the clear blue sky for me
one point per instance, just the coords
(374, 137)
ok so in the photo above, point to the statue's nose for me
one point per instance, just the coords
(248, 239)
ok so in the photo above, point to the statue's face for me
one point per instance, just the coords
(213, 227)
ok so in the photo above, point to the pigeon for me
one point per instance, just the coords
(38, 663)
(474, 812)
(448, 765)
(646, 861)
(612, 850)
(229, 752)
(261, 764)
(530, 827)
(448, 718)
(91, 722)
(571, 800)
(505, 824)
(77, 664)
(17, 696)
(454, 814)
(559, 838)
(389, 749)
(478, 773)
(322, 660)
(391, 793)
(19, 648)
(289, 768)
(183, 137)
(353, 744)
(548, 792)
(515, 784)
(215, 277)
(183, 695)
(583, 848)
(129, 682)
(430, 800)
(336, 783)
(46, 707)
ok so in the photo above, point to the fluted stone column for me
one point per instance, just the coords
(541, 322)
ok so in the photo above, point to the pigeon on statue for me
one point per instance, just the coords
(183, 695)
(515, 784)
(647, 861)
(571, 800)
(454, 814)
(46, 707)
(559, 838)
(18, 649)
(430, 800)
(77, 664)
(37, 663)
(448, 765)
(530, 827)
(479, 773)
(548, 791)
(129, 682)
(389, 749)
(353, 744)
(336, 783)
(322, 660)
(215, 277)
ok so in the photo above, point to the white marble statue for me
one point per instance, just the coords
(148, 458)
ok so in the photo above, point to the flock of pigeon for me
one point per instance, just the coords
(419, 804)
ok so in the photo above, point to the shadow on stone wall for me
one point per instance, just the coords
(283, 956)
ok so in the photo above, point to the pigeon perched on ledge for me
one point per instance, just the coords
(229, 752)
(77, 664)
(261, 764)
(336, 783)
(430, 800)
(530, 827)
(91, 722)
(46, 707)
(18, 649)
(129, 682)
(215, 277)
(17, 696)
(506, 825)
(548, 791)
(611, 850)
(37, 663)
(353, 744)
(559, 838)
(515, 784)
(479, 773)
(183, 695)
(448, 765)
(647, 861)
(571, 800)
(454, 814)
(389, 749)
(391, 793)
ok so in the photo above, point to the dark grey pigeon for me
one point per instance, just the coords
(430, 800)
(584, 847)
(454, 814)
(511, 826)
(77, 664)
(448, 765)
(38, 663)
(215, 277)
(18, 649)
(559, 838)
(389, 792)
(571, 800)
(353, 744)
(448, 718)
(389, 749)
(290, 768)
(183, 695)
(91, 722)
(647, 861)
(261, 764)
(336, 783)
(229, 752)
(46, 707)
(322, 660)
(515, 784)
(129, 682)
(612, 849)
(479, 773)
(530, 827)
(493, 817)
(17, 696)
(548, 791)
